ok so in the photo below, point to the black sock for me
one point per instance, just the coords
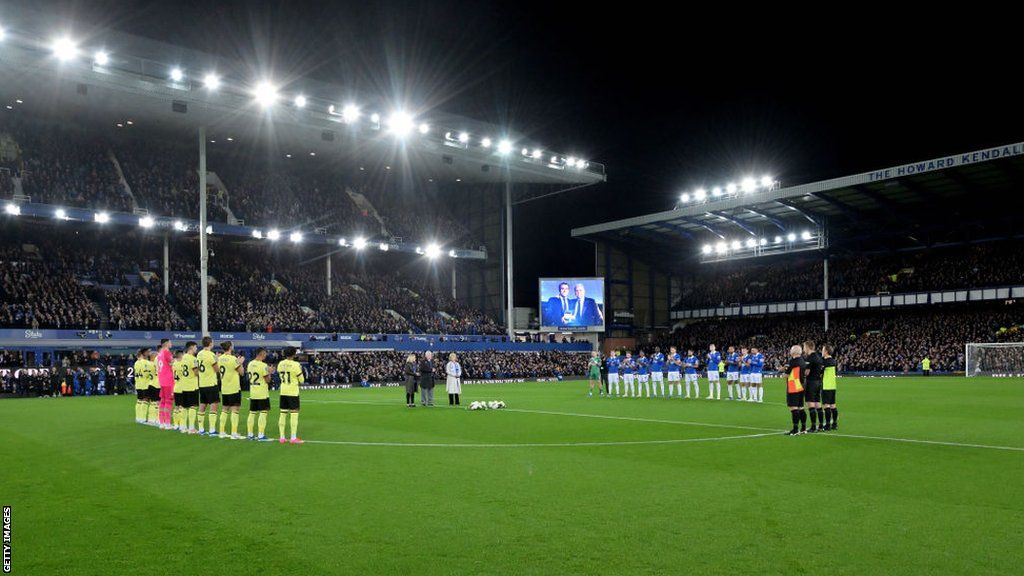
(827, 415)
(803, 419)
(814, 418)
(835, 416)
(796, 418)
(821, 416)
(451, 399)
(457, 399)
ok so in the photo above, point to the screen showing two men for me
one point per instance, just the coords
(572, 304)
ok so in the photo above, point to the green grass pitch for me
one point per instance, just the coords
(558, 484)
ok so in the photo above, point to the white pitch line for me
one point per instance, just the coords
(534, 444)
(731, 426)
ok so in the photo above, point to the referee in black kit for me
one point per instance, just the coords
(812, 385)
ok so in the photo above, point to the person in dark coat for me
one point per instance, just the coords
(412, 373)
(427, 379)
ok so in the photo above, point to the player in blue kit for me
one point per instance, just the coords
(674, 373)
(613, 372)
(732, 371)
(690, 365)
(744, 372)
(756, 371)
(658, 372)
(643, 375)
(714, 385)
(626, 368)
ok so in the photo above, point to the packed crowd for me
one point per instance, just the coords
(979, 265)
(41, 294)
(864, 341)
(376, 367)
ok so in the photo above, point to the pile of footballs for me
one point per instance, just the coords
(490, 405)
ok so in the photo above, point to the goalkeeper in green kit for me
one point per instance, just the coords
(594, 373)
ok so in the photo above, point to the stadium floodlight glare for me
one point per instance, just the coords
(359, 243)
(64, 49)
(419, 250)
(342, 242)
(749, 184)
(762, 241)
(60, 214)
(485, 142)
(424, 128)
(730, 188)
(257, 234)
(300, 101)
(791, 237)
(767, 181)
(211, 81)
(700, 195)
(716, 191)
(504, 147)
(778, 239)
(101, 58)
(570, 161)
(706, 249)
(177, 74)
(350, 113)
(295, 237)
(452, 253)
(400, 123)
(736, 245)
(273, 235)
(2, 33)
(684, 198)
(433, 251)
(102, 217)
(266, 94)
(805, 235)
(180, 226)
(384, 247)
(463, 137)
(375, 118)
(146, 222)
(721, 247)
(751, 243)
(12, 209)
(537, 153)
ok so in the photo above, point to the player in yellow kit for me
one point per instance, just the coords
(230, 367)
(176, 367)
(290, 373)
(140, 371)
(259, 394)
(209, 391)
(189, 388)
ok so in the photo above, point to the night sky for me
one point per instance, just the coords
(667, 99)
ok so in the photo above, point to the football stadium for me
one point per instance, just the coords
(423, 298)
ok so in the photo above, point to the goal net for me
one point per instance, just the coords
(994, 359)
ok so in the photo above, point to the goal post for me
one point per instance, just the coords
(994, 359)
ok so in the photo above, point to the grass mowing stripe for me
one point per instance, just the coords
(535, 444)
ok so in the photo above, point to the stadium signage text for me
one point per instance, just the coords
(948, 162)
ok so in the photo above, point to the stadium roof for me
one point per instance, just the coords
(133, 81)
(952, 199)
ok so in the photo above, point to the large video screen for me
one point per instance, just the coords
(572, 304)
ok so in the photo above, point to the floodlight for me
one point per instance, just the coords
(300, 101)
(180, 226)
(463, 137)
(350, 113)
(375, 118)
(342, 242)
(400, 123)
(424, 128)
(537, 153)
(211, 81)
(101, 58)
(452, 253)
(64, 49)
(504, 147)
(706, 249)
(177, 75)
(295, 237)
(571, 162)
(721, 247)
(266, 94)
(751, 243)
(767, 181)
(486, 142)
(146, 221)
(805, 235)
(273, 235)
(700, 195)
(749, 184)
(730, 188)
(790, 237)
(384, 247)
(762, 241)
(12, 209)
(736, 245)
(716, 191)
(778, 239)
(102, 217)
(433, 251)
(359, 243)
(257, 234)
(684, 198)
(60, 214)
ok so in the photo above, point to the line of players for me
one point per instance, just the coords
(204, 380)
(642, 374)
